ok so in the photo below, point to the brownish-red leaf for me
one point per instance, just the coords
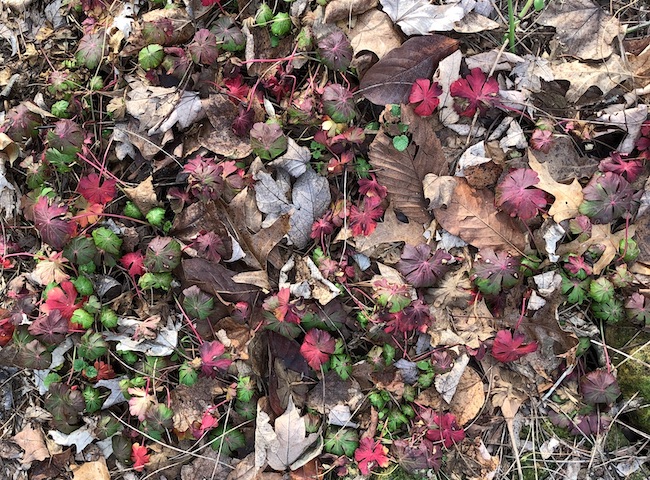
(390, 79)
(472, 216)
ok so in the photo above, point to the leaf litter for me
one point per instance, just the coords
(323, 238)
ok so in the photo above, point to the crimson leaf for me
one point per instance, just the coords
(421, 268)
(516, 197)
(508, 347)
(473, 92)
(442, 428)
(317, 347)
(363, 219)
(599, 386)
(89, 186)
(133, 262)
(210, 246)
(637, 308)
(211, 358)
(630, 168)
(62, 298)
(54, 230)
(369, 454)
(425, 94)
(414, 317)
(542, 140)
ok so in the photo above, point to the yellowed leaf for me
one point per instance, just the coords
(374, 32)
(143, 195)
(567, 197)
(31, 440)
(91, 471)
(600, 235)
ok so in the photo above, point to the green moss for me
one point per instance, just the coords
(615, 439)
(633, 378)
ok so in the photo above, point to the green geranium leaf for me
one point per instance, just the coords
(107, 241)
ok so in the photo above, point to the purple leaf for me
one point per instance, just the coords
(599, 386)
(421, 268)
(516, 197)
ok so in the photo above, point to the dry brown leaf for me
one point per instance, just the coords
(373, 32)
(143, 195)
(600, 235)
(563, 161)
(218, 136)
(402, 174)
(91, 470)
(642, 225)
(605, 76)
(567, 197)
(438, 189)
(389, 231)
(472, 216)
(584, 28)
(32, 441)
(343, 9)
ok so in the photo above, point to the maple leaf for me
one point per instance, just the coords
(630, 169)
(50, 328)
(363, 219)
(516, 197)
(426, 94)
(210, 361)
(599, 386)
(608, 197)
(51, 269)
(372, 188)
(54, 230)
(210, 246)
(542, 140)
(140, 402)
(495, 271)
(317, 347)
(442, 428)
(369, 454)
(62, 298)
(421, 268)
(133, 262)
(139, 456)
(508, 347)
(473, 92)
(95, 191)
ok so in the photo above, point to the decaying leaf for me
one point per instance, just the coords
(584, 28)
(32, 441)
(373, 32)
(402, 174)
(567, 197)
(419, 17)
(390, 79)
(472, 216)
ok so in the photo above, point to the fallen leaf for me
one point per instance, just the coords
(342, 9)
(563, 161)
(91, 470)
(310, 196)
(567, 197)
(32, 441)
(629, 120)
(605, 76)
(295, 160)
(80, 438)
(218, 136)
(419, 17)
(143, 195)
(373, 32)
(472, 216)
(584, 28)
(390, 79)
(402, 174)
(600, 235)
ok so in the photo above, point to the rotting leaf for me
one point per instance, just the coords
(390, 79)
(584, 28)
(472, 216)
(402, 174)
(419, 17)
(311, 197)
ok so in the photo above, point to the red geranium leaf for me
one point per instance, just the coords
(473, 92)
(421, 268)
(281, 307)
(370, 453)
(508, 347)
(62, 298)
(413, 317)
(50, 328)
(139, 456)
(599, 386)
(54, 230)
(134, 263)
(89, 186)
(372, 188)
(630, 168)
(442, 428)
(426, 94)
(363, 219)
(542, 140)
(516, 197)
(317, 347)
(211, 353)
(210, 246)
